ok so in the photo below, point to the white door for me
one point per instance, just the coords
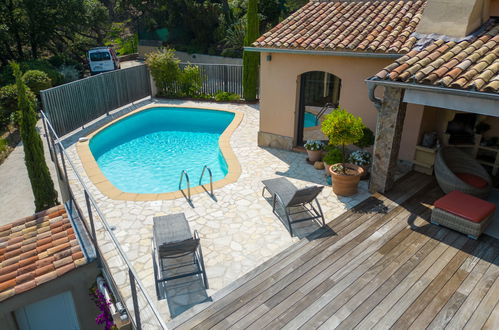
(54, 313)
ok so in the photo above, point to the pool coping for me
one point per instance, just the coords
(105, 186)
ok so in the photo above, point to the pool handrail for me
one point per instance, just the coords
(322, 111)
(211, 179)
(182, 174)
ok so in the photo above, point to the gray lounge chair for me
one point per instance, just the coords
(288, 196)
(177, 253)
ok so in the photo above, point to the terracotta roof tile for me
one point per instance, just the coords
(37, 249)
(472, 63)
(361, 25)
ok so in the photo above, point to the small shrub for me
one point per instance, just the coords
(70, 73)
(342, 128)
(367, 139)
(3, 145)
(333, 156)
(191, 81)
(314, 145)
(8, 102)
(37, 80)
(221, 96)
(165, 70)
(361, 158)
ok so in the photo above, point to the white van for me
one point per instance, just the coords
(102, 59)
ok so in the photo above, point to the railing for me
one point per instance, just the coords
(322, 112)
(120, 274)
(75, 104)
(206, 168)
(220, 77)
(182, 175)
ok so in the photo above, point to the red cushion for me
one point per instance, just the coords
(472, 180)
(465, 206)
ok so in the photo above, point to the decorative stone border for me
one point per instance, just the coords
(108, 189)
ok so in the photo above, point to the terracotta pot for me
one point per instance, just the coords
(314, 155)
(346, 185)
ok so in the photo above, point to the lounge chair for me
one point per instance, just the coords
(287, 195)
(456, 170)
(177, 253)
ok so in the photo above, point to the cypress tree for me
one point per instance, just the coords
(251, 60)
(38, 172)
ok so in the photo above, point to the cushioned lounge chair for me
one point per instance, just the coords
(457, 170)
(177, 252)
(288, 196)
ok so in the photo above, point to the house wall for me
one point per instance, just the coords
(77, 281)
(279, 94)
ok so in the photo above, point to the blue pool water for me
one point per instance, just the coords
(146, 152)
(309, 119)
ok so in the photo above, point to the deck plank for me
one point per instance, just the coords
(382, 265)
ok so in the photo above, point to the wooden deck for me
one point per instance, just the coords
(381, 265)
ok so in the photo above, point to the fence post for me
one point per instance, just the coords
(47, 137)
(136, 310)
(92, 228)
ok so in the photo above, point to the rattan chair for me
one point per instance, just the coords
(177, 253)
(288, 196)
(450, 160)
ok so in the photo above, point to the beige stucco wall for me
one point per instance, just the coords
(455, 18)
(77, 281)
(279, 93)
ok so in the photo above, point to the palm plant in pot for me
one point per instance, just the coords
(314, 149)
(342, 128)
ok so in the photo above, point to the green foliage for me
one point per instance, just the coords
(38, 172)
(234, 39)
(367, 139)
(221, 96)
(9, 103)
(333, 156)
(251, 60)
(40, 65)
(165, 70)
(190, 81)
(37, 80)
(3, 145)
(342, 128)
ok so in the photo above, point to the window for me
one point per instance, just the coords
(100, 56)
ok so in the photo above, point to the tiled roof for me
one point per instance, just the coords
(362, 26)
(472, 63)
(37, 249)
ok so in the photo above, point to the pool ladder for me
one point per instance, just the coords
(186, 175)
(322, 112)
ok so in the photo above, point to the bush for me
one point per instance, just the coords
(226, 97)
(165, 70)
(361, 158)
(191, 81)
(333, 156)
(367, 139)
(342, 128)
(37, 80)
(8, 102)
(69, 72)
(3, 145)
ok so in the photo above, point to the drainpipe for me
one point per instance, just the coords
(371, 89)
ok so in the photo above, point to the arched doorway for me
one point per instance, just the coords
(317, 88)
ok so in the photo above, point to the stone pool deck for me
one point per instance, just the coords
(238, 231)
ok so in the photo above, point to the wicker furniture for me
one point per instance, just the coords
(177, 252)
(451, 163)
(288, 196)
(464, 213)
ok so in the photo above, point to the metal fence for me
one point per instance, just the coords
(220, 77)
(120, 275)
(75, 104)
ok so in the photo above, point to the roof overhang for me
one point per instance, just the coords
(322, 52)
(440, 97)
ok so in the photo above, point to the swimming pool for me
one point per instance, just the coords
(145, 153)
(309, 119)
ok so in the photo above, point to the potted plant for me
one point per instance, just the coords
(342, 128)
(363, 158)
(333, 156)
(367, 139)
(314, 150)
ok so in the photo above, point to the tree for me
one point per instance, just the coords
(38, 172)
(251, 60)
